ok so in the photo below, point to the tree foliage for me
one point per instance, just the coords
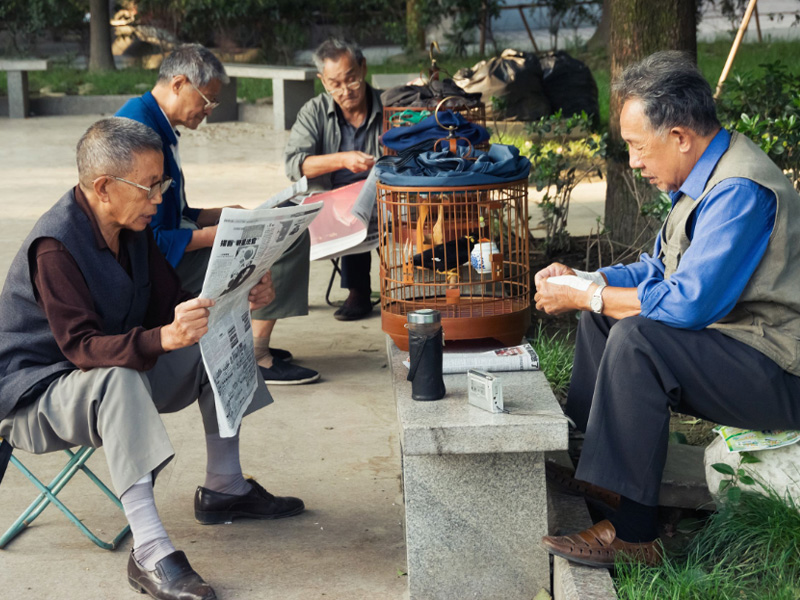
(25, 20)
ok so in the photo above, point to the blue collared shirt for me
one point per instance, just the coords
(730, 230)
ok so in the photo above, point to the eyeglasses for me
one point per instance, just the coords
(159, 187)
(209, 104)
(339, 90)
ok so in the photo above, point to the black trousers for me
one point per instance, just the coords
(355, 271)
(628, 374)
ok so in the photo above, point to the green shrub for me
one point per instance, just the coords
(765, 106)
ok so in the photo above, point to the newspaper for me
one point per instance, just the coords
(748, 440)
(513, 358)
(247, 243)
(348, 223)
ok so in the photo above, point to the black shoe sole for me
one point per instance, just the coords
(227, 517)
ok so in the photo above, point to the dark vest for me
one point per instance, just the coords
(29, 356)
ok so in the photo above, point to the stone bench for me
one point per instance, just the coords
(291, 88)
(17, 72)
(474, 487)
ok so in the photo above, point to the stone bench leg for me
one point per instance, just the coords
(18, 103)
(228, 109)
(474, 524)
(287, 99)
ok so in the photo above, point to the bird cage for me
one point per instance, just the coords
(462, 251)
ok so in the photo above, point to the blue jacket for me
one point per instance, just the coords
(171, 239)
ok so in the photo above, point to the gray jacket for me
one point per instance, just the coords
(316, 132)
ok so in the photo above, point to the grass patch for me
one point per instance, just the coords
(749, 549)
(556, 351)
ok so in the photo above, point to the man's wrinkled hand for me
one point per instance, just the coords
(358, 162)
(554, 270)
(557, 299)
(262, 293)
(188, 326)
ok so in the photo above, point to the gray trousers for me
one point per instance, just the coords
(289, 278)
(118, 408)
(629, 374)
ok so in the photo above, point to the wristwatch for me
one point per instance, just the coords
(596, 303)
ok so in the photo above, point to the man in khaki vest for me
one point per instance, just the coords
(709, 325)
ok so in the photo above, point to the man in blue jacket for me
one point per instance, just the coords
(189, 81)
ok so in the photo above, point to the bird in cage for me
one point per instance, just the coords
(447, 256)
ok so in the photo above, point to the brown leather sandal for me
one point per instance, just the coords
(599, 546)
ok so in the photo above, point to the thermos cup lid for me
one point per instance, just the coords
(424, 316)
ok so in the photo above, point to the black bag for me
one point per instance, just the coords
(569, 85)
(428, 95)
(515, 79)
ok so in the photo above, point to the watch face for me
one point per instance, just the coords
(596, 303)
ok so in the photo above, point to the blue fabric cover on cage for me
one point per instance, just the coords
(428, 130)
(501, 164)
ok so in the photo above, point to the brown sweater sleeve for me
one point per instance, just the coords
(62, 293)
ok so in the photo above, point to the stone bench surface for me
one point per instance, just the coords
(270, 72)
(453, 426)
(23, 64)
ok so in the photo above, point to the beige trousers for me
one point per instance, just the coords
(118, 408)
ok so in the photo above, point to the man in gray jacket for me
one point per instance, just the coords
(335, 142)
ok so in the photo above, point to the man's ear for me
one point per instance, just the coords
(100, 188)
(683, 137)
(177, 83)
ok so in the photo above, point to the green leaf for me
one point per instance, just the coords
(401, 573)
(723, 485)
(676, 437)
(724, 469)
(747, 480)
(749, 458)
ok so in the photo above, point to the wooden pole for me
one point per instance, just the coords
(528, 29)
(758, 25)
(736, 43)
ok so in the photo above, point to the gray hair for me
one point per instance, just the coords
(194, 61)
(333, 48)
(109, 147)
(672, 91)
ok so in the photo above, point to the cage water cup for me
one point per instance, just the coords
(481, 256)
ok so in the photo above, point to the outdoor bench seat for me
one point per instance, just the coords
(291, 88)
(474, 487)
(17, 72)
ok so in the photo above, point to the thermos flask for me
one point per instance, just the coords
(425, 354)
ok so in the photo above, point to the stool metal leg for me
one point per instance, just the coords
(48, 495)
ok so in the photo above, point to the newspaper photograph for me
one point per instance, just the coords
(247, 244)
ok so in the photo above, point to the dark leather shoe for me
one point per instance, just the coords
(564, 479)
(599, 546)
(172, 579)
(353, 311)
(214, 507)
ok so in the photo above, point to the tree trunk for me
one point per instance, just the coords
(602, 35)
(100, 57)
(415, 32)
(639, 28)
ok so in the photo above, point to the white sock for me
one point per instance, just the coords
(150, 540)
(223, 471)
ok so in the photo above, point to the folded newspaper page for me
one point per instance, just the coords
(348, 223)
(247, 244)
(749, 440)
(513, 358)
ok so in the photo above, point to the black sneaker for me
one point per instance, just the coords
(282, 373)
(283, 355)
(353, 311)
